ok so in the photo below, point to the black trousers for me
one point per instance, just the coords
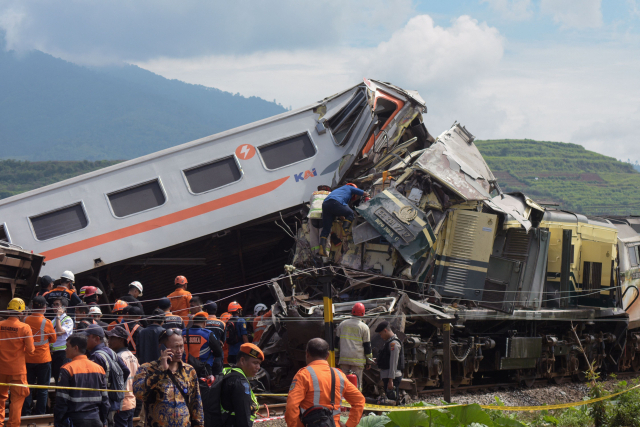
(38, 374)
(392, 394)
(330, 210)
(58, 358)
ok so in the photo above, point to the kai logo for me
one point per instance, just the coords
(306, 174)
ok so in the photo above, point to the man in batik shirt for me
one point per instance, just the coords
(168, 387)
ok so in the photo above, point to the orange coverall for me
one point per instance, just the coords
(180, 300)
(259, 326)
(17, 342)
(301, 394)
(40, 341)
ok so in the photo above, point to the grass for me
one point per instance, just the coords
(567, 174)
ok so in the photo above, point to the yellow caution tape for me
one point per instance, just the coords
(53, 387)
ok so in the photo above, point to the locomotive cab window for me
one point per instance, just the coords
(59, 222)
(212, 175)
(288, 151)
(633, 255)
(136, 199)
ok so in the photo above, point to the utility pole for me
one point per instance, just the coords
(446, 360)
(327, 299)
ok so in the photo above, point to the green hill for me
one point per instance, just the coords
(577, 179)
(51, 109)
(19, 176)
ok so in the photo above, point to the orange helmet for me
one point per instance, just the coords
(358, 309)
(234, 306)
(353, 185)
(225, 317)
(180, 280)
(120, 305)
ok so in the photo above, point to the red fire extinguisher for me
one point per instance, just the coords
(353, 378)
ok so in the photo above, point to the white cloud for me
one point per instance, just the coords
(513, 10)
(574, 13)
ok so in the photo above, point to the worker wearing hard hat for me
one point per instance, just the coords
(261, 321)
(353, 342)
(337, 204)
(238, 404)
(118, 309)
(236, 332)
(96, 315)
(90, 294)
(65, 290)
(312, 388)
(135, 291)
(180, 299)
(39, 363)
(17, 343)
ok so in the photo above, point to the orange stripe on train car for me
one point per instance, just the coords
(162, 221)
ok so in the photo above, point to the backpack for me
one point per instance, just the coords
(231, 333)
(115, 377)
(212, 401)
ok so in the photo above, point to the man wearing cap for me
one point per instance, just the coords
(135, 291)
(238, 336)
(180, 299)
(99, 353)
(170, 319)
(239, 405)
(39, 363)
(168, 387)
(148, 350)
(17, 342)
(63, 324)
(203, 345)
(312, 387)
(46, 284)
(390, 360)
(118, 338)
(82, 317)
(215, 325)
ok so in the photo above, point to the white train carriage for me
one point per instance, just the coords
(208, 185)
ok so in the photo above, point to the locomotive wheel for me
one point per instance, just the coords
(579, 377)
(557, 380)
(529, 382)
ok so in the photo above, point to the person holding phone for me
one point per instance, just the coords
(169, 387)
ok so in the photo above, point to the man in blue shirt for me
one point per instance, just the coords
(203, 345)
(337, 204)
(236, 331)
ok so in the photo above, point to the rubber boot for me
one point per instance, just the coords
(325, 246)
(346, 224)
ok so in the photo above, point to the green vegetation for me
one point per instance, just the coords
(567, 174)
(621, 410)
(19, 176)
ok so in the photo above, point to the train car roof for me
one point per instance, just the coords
(627, 234)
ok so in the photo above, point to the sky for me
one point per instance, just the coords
(555, 70)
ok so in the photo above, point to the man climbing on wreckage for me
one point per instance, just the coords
(335, 205)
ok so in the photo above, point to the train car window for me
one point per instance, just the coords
(4, 234)
(136, 199)
(633, 259)
(342, 123)
(212, 175)
(59, 222)
(292, 150)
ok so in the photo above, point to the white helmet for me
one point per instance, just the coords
(95, 310)
(258, 308)
(136, 285)
(68, 275)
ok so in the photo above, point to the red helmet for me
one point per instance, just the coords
(234, 306)
(353, 185)
(358, 309)
(180, 280)
(87, 291)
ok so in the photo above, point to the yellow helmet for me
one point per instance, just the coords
(16, 304)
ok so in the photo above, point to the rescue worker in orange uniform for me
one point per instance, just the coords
(118, 310)
(317, 376)
(171, 321)
(39, 363)
(180, 299)
(65, 289)
(225, 347)
(260, 322)
(17, 343)
(215, 325)
(202, 344)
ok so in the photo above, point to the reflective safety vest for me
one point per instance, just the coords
(43, 339)
(255, 406)
(216, 327)
(130, 341)
(260, 325)
(317, 392)
(198, 344)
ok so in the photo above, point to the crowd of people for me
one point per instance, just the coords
(179, 366)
